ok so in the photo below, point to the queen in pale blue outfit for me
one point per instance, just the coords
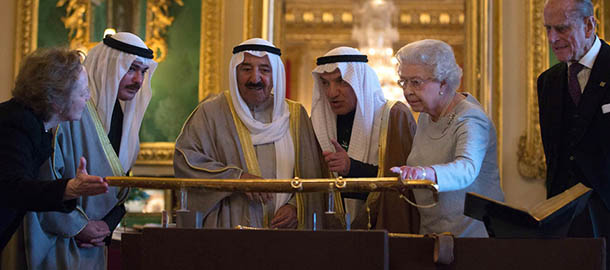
(455, 143)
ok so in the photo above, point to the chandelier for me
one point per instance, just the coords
(375, 35)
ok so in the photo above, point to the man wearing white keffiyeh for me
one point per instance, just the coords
(249, 132)
(362, 134)
(119, 70)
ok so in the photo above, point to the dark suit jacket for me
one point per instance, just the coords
(24, 146)
(593, 144)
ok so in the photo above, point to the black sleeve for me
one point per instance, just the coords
(361, 169)
(112, 219)
(19, 188)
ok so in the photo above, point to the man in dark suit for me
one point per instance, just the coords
(574, 100)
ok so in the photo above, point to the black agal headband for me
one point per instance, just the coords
(128, 48)
(341, 58)
(257, 47)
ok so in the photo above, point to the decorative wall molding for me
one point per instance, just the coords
(249, 27)
(599, 7)
(212, 22)
(415, 21)
(78, 22)
(26, 30)
(412, 14)
(482, 68)
(279, 23)
(531, 160)
(497, 63)
(156, 153)
(157, 22)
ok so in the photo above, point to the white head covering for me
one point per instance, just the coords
(278, 130)
(106, 66)
(364, 140)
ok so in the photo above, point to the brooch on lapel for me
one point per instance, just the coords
(602, 84)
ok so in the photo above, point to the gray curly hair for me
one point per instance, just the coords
(48, 77)
(437, 56)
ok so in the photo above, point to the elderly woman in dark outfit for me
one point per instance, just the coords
(51, 87)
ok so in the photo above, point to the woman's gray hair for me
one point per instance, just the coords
(47, 78)
(437, 56)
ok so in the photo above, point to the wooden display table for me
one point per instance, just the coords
(498, 254)
(172, 248)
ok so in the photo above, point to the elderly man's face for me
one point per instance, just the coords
(567, 31)
(340, 93)
(255, 79)
(132, 80)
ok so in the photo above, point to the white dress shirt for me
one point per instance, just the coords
(587, 60)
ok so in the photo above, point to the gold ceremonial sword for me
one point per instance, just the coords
(276, 185)
(330, 185)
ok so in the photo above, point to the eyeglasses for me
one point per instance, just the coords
(413, 83)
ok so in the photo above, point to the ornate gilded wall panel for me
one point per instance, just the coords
(416, 20)
(497, 63)
(605, 7)
(212, 20)
(157, 22)
(251, 26)
(601, 14)
(27, 30)
(78, 22)
(483, 66)
(531, 162)
(279, 23)
(161, 153)
(176, 79)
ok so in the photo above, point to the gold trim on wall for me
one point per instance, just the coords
(531, 160)
(253, 20)
(483, 66)
(26, 30)
(78, 22)
(599, 7)
(248, 27)
(156, 153)
(498, 81)
(212, 21)
(278, 23)
(157, 22)
(472, 69)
